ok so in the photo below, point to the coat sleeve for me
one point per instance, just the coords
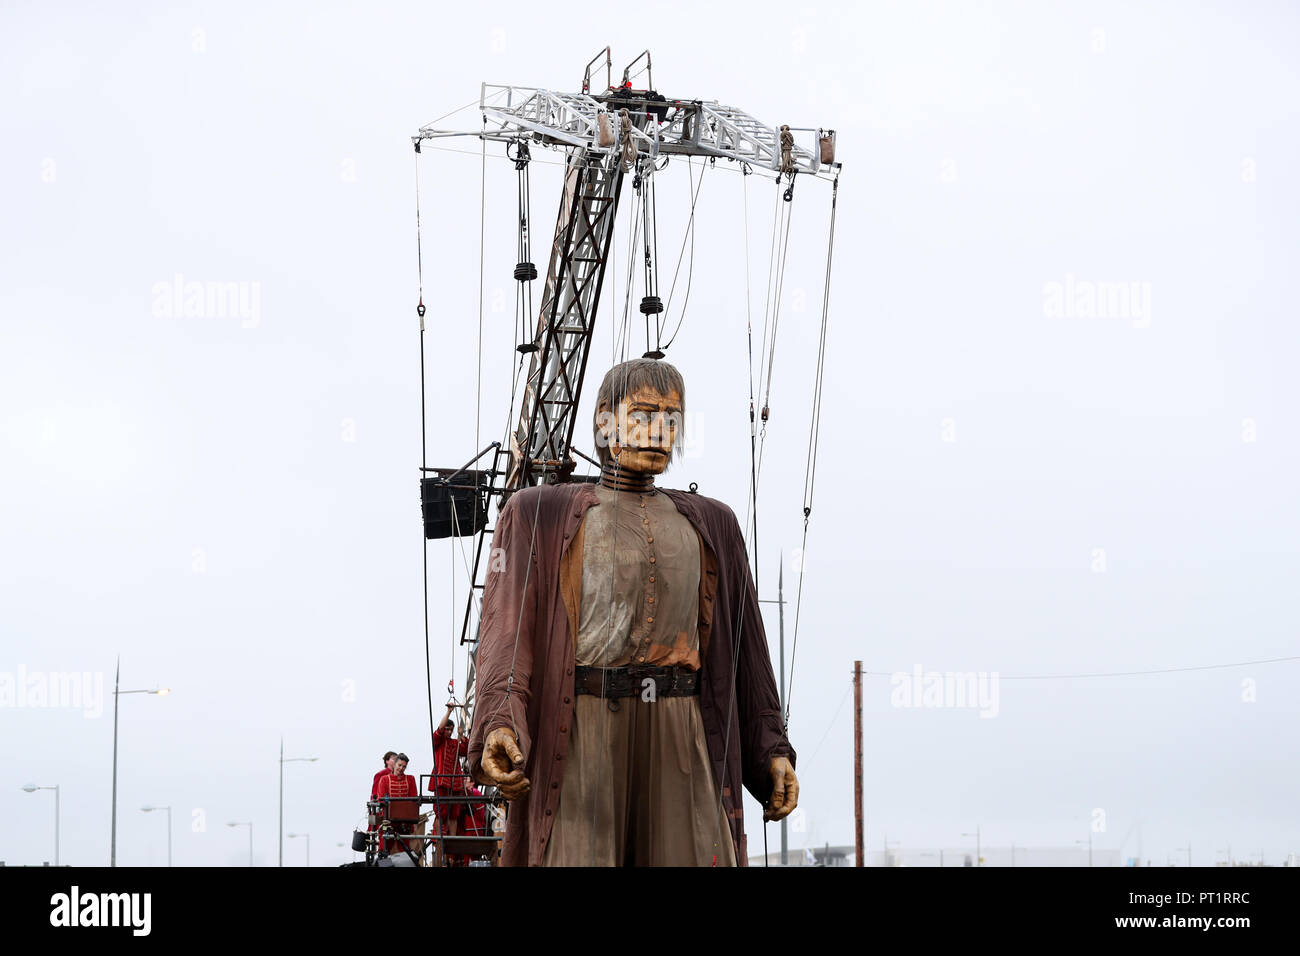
(762, 730)
(505, 643)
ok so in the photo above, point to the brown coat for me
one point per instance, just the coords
(530, 607)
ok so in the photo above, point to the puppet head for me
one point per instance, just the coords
(639, 414)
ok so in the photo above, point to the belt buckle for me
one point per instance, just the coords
(667, 684)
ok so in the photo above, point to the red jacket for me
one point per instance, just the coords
(392, 786)
(448, 777)
(374, 786)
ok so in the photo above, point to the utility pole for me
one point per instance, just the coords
(857, 763)
(281, 861)
(112, 845)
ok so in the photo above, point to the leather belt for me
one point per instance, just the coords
(630, 681)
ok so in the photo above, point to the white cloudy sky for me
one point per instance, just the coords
(230, 502)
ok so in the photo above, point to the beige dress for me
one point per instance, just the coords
(639, 789)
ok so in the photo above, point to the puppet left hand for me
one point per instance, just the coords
(785, 790)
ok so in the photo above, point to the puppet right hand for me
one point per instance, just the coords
(503, 763)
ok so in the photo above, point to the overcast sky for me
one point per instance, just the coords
(1012, 480)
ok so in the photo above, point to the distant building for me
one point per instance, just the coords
(809, 856)
(953, 856)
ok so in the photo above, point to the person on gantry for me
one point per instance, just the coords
(456, 818)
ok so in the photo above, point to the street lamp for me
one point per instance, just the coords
(294, 836)
(32, 788)
(1080, 843)
(161, 692)
(284, 760)
(249, 824)
(169, 828)
(979, 860)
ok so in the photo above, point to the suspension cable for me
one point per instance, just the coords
(424, 438)
(690, 271)
(814, 436)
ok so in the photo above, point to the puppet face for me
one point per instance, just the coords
(642, 430)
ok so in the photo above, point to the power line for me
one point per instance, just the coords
(1162, 670)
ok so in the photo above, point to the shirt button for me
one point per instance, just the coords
(652, 561)
(548, 811)
(652, 579)
(649, 620)
(554, 786)
(650, 539)
(641, 659)
(566, 700)
(564, 730)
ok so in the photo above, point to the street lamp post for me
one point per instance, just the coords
(284, 760)
(169, 828)
(979, 860)
(160, 691)
(294, 836)
(1081, 842)
(32, 788)
(248, 824)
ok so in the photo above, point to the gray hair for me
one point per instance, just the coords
(631, 376)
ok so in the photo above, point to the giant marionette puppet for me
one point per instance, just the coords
(625, 687)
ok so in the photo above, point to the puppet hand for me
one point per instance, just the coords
(503, 764)
(785, 790)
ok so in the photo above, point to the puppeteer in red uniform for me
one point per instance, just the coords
(401, 813)
(450, 779)
(374, 784)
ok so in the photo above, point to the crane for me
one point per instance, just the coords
(627, 130)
